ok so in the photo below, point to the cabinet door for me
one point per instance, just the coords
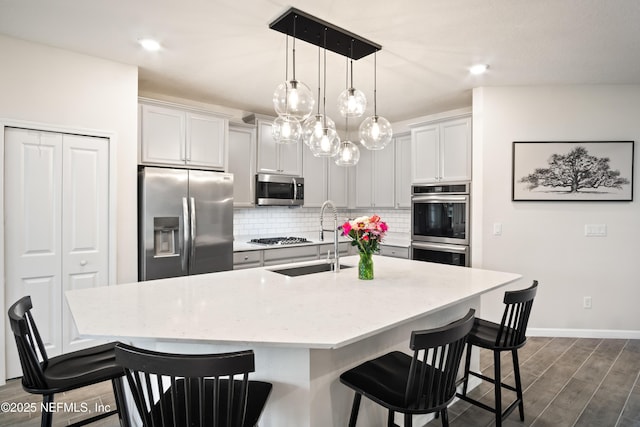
(242, 155)
(338, 184)
(383, 177)
(206, 141)
(85, 223)
(364, 184)
(290, 158)
(315, 179)
(455, 146)
(33, 235)
(267, 149)
(162, 135)
(425, 154)
(403, 171)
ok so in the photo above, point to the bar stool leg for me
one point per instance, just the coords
(498, 387)
(354, 410)
(467, 363)
(516, 374)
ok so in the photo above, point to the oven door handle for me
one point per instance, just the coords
(444, 248)
(439, 199)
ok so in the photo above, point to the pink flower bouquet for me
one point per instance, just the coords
(365, 232)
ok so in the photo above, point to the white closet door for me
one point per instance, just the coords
(33, 185)
(85, 234)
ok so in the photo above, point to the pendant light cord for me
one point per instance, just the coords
(319, 73)
(375, 84)
(351, 57)
(295, 18)
(324, 96)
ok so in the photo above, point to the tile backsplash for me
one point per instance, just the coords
(272, 220)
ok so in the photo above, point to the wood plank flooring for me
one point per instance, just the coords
(567, 382)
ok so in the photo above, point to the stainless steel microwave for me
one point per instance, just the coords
(279, 190)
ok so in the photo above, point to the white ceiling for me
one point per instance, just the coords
(222, 51)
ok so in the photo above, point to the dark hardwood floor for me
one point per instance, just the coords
(567, 382)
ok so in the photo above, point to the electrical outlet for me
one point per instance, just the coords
(595, 230)
(586, 302)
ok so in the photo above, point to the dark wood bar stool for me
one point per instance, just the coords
(48, 376)
(509, 335)
(419, 384)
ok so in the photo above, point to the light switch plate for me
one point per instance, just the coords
(595, 230)
(497, 229)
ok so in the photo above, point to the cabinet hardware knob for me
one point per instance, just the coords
(83, 262)
(246, 258)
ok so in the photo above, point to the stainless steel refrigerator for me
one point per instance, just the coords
(185, 222)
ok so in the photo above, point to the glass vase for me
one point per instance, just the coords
(365, 266)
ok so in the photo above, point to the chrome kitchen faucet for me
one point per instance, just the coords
(336, 252)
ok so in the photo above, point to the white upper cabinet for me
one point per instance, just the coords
(277, 158)
(374, 185)
(403, 170)
(242, 163)
(182, 137)
(441, 151)
(338, 184)
(315, 179)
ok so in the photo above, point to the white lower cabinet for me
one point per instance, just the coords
(247, 259)
(343, 249)
(288, 255)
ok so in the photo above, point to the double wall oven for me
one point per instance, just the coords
(440, 223)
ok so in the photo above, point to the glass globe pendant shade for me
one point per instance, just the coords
(375, 132)
(293, 98)
(348, 154)
(327, 145)
(286, 130)
(313, 127)
(352, 103)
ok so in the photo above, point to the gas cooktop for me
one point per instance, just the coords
(279, 240)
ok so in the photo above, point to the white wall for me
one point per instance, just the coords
(545, 240)
(57, 87)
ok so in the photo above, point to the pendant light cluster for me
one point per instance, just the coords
(294, 103)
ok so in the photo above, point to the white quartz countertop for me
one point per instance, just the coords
(260, 307)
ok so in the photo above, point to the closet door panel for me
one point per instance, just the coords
(85, 234)
(33, 260)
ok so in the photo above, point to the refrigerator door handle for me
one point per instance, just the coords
(192, 255)
(185, 233)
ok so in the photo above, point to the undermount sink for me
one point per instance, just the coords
(307, 269)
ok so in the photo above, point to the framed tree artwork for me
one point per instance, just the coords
(572, 171)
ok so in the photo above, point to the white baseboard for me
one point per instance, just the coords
(583, 333)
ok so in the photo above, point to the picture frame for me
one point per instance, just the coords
(572, 171)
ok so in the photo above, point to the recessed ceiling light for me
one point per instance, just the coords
(478, 69)
(150, 45)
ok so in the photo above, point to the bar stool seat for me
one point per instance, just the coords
(422, 383)
(509, 335)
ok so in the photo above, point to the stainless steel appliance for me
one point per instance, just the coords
(185, 222)
(279, 190)
(279, 240)
(440, 223)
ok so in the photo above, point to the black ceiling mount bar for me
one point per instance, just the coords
(311, 29)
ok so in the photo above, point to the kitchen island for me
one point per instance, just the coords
(305, 330)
